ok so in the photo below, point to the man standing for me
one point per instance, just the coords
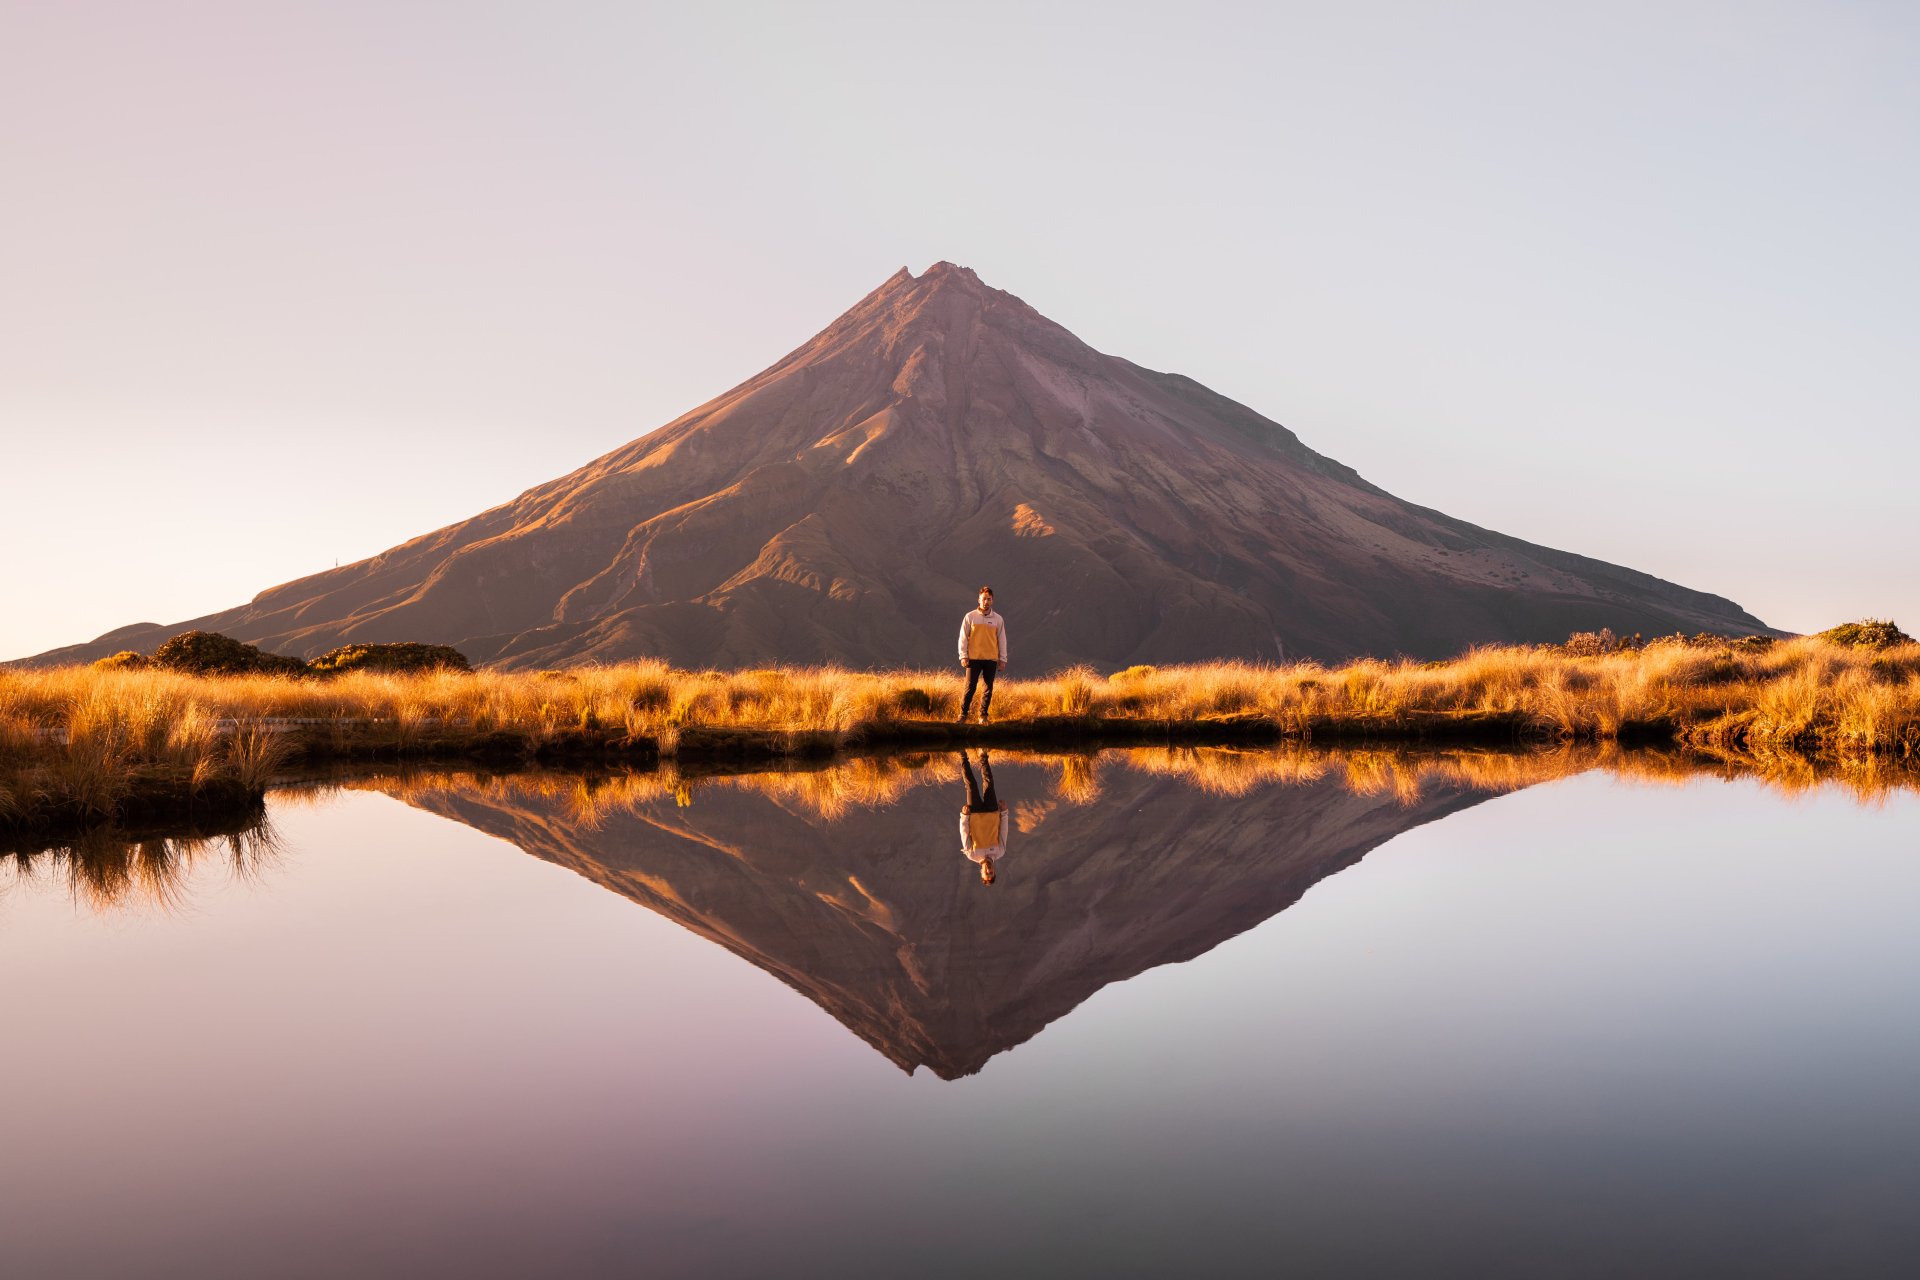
(983, 652)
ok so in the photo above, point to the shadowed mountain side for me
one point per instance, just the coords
(878, 919)
(842, 506)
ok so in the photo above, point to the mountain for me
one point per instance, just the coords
(876, 917)
(844, 506)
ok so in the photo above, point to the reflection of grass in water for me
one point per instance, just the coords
(106, 870)
(1079, 781)
(834, 790)
(109, 870)
(589, 797)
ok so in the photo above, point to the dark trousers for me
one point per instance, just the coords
(976, 801)
(977, 668)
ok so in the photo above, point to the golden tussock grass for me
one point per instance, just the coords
(86, 741)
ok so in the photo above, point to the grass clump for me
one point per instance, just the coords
(913, 701)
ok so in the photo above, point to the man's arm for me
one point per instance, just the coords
(964, 620)
(1003, 642)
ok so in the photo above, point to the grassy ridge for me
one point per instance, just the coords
(84, 743)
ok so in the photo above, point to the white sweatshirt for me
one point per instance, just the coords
(977, 621)
(983, 833)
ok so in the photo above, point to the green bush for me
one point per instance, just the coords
(1874, 633)
(208, 653)
(405, 656)
(913, 702)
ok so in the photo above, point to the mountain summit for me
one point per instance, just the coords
(844, 506)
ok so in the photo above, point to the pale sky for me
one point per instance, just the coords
(287, 283)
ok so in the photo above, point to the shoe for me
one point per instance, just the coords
(985, 718)
(961, 718)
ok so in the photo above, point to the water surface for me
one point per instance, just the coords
(1217, 1013)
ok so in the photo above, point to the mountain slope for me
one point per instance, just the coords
(844, 505)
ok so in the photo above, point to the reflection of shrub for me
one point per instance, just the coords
(125, 660)
(1876, 633)
(208, 653)
(913, 701)
(407, 656)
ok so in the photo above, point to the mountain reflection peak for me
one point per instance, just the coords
(840, 880)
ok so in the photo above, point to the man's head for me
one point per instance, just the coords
(986, 871)
(986, 599)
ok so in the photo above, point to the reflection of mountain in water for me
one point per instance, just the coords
(877, 917)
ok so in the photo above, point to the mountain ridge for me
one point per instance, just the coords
(842, 505)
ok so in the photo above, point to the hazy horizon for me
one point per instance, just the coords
(289, 287)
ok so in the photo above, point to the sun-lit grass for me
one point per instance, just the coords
(84, 741)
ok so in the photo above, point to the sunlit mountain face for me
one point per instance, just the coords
(844, 505)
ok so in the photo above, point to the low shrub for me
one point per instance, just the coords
(1590, 644)
(1704, 640)
(1871, 633)
(125, 660)
(405, 656)
(208, 653)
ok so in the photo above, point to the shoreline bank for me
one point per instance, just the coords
(83, 745)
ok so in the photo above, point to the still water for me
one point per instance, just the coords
(1217, 1013)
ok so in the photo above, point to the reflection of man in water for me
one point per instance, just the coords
(983, 821)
